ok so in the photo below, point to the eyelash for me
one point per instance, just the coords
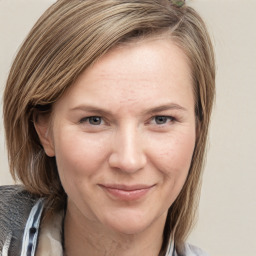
(164, 118)
(89, 119)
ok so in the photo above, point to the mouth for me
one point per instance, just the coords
(126, 193)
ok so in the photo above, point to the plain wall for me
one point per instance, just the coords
(227, 216)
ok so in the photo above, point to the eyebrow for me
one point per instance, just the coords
(171, 106)
(99, 110)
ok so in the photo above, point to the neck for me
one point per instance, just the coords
(95, 239)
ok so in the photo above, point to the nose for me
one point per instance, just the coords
(128, 151)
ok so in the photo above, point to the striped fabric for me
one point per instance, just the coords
(50, 237)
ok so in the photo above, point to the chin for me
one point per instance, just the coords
(128, 224)
(128, 228)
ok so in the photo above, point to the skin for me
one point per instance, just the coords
(143, 135)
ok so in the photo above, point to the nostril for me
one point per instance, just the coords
(127, 163)
(127, 152)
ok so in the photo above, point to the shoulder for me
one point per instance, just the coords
(14, 200)
(185, 250)
(15, 206)
(191, 250)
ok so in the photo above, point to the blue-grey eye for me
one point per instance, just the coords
(162, 119)
(94, 120)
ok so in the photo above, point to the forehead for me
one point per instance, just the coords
(155, 53)
(135, 72)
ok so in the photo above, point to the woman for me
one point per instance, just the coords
(106, 113)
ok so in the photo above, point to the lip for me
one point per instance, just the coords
(126, 192)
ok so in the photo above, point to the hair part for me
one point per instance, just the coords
(68, 38)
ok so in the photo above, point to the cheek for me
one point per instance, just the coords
(173, 162)
(78, 154)
(174, 154)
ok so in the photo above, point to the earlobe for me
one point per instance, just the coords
(42, 127)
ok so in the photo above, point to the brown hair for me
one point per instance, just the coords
(67, 39)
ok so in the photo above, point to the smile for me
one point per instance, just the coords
(127, 193)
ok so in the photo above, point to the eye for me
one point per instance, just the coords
(163, 119)
(93, 120)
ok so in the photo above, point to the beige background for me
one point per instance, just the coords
(227, 220)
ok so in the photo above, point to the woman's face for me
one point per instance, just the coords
(124, 134)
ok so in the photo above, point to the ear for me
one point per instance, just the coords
(42, 125)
